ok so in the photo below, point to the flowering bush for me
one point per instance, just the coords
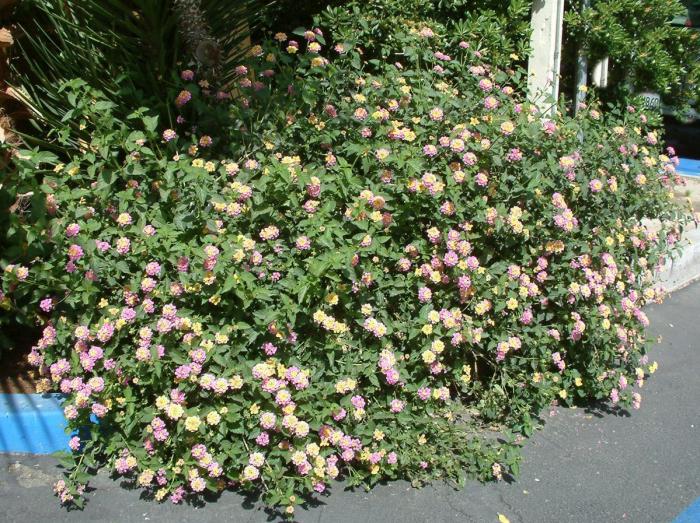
(501, 27)
(351, 276)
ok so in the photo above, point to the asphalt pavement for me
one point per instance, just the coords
(585, 465)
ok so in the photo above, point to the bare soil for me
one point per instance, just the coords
(16, 375)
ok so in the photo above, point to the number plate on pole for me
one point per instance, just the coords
(652, 101)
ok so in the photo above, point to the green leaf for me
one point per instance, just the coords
(150, 123)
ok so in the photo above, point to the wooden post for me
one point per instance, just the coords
(600, 73)
(545, 58)
(581, 68)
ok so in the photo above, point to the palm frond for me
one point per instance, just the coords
(128, 49)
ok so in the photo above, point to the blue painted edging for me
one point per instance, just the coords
(32, 423)
(688, 167)
(691, 514)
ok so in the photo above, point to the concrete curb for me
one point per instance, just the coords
(691, 514)
(683, 270)
(32, 423)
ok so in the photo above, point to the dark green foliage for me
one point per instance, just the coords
(646, 51)
(126, 49)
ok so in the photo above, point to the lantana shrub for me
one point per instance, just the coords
(340, 269)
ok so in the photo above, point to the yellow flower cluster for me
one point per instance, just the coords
(345, 386)
(329, 323)
(514, 216)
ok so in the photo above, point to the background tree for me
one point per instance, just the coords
(647, 52)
